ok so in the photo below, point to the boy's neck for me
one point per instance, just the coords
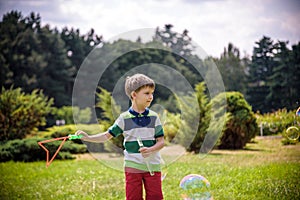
(137, 108)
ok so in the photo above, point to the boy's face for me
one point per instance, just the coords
(143, 97)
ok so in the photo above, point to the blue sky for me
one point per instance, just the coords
(212, 24)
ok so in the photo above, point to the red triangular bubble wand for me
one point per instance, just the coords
(70, 137)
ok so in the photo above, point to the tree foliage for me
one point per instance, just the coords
(233, 69)
(21, 113)
(140, 54)
(192, 139)
(273, 79)
(109, 111)
(36, 56)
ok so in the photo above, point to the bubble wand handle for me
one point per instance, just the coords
(146, 161)
(74, 137)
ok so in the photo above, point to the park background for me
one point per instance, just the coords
(39, 64)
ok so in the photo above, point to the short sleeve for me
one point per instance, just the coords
(117, 128)
(159, 132)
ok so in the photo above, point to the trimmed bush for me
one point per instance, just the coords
(241, 124)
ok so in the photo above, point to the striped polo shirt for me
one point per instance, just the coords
(134, 125)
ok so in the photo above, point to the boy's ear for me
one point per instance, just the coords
(133, 94)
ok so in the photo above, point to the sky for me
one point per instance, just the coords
(212, 24)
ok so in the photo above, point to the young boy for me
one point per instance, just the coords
(138, 124)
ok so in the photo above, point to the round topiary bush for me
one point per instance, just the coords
(241, 124)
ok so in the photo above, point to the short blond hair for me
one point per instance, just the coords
(137, 81)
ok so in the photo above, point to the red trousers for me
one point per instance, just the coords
(135, 181)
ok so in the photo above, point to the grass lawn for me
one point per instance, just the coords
(264, 170)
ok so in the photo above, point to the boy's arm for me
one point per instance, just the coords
(100, 137)
(147, 151)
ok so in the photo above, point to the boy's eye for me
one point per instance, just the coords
(149, 93)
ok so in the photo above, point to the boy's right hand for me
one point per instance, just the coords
(79, 132)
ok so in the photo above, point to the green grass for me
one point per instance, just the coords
(265, 170)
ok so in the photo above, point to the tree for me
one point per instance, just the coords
(140, 54)
(21, 113)
(294, 79)
(34, 57)
(78, 47)
(188, 137)
(20, 58)
(273, 81)
(279, 81)
(232, 69)
(260, 70)
(183, 51)
(109, 110)
(56, 76)
(179, 43)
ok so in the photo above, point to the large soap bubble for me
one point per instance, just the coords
(195, 187)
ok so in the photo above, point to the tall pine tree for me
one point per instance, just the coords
(279, 82)
(233, 69)
(260, 70)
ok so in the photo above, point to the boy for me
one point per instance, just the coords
(138, 124)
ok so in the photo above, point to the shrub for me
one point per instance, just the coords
(28, 150)
(241, 124)
(63, 131)
(60, 131)
(22, 114)
(276, 122)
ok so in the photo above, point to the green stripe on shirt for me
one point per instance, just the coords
(115, 130)
(159, 131)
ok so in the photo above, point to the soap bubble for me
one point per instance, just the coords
(292, 133)
(196, 187)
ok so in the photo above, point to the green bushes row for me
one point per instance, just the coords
(61, 131)
(276, 122)
(28, 150)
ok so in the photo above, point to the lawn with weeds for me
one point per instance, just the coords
(264, 170)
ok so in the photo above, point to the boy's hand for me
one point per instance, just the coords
(79, 132)
(145, 151)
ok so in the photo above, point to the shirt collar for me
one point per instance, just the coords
(133, 112)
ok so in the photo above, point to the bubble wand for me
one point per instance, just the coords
(146, 160)
(70, 137)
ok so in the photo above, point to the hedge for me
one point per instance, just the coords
(28, 150)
